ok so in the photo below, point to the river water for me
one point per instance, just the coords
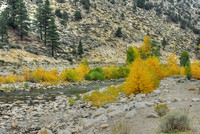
(50, 94)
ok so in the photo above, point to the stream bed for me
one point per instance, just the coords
(51, 94)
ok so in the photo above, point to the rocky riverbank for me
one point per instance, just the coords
(61, 117)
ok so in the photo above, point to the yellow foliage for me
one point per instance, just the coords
(172, 64)
(147, 40)
(2, 79)
(26, 74)
(154, 64)
(37, 75)
(141, 79)
(195, 69)
(19, 78)
(101, 98)
(145, 50)
(182, 71)
(111, 72)
(83, 70)
(10, 78)
(51, 76)
(136, 52)
(71, 75)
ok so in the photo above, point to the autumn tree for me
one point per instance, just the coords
(130, 57)
(172, 64)
(140, 79)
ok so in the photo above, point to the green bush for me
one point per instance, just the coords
(184, 59)
(175, 122)
(77, 15)
(58, 13)
(118, 33)
(95, 74)
(123, 72)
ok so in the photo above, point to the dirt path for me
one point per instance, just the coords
(176, 96)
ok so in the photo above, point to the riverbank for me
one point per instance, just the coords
(61, 117)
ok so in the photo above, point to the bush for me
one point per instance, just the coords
(10, 78)
(118, 33)
(184, 59)
(130, 57)
(195, 70)
(98, 99)
(175, 122)
(111, 72)
(123, 72)
(141, 79)
(71, 75)
(95, 75)
(77, 15)
(172, 64)
(161, 109)
(58, 13)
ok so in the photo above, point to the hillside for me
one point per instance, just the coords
(175, 20)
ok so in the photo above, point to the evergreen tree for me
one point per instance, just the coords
(11, 8)
(3, 27)
(77, 15)
(52, 36)
(185, 59)
(46, 17)
(80, 48)
(118, 33)
(164, 42)
(22, 19)
(39, 23)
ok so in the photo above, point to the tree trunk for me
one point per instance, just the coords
(52, 51)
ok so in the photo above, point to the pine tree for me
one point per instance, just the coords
(22, 19)
(3, 27)
(11, 8)
(118, 33)
(46, 17)
(52, 36)
(80, 48)
(39, 23)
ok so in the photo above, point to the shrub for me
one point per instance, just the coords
(130, 57)
(161, 109)
(140, 79)
(10, 78)
(195, 70)
(95, 75)
(172, 64)
(118, 33)
(71, 101)
(101, 98)
(184, 59)
(175, 122)
(154, 64)
(2, 79)
(121, 128)
(19, 78)
(58, 13)
(26, 85)
(77, 15)
(111, 72)
(51, 76)
(71, 75)
(123, 71)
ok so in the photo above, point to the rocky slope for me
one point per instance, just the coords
(98, 25)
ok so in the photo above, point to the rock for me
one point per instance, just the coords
(176, 100)
(149, 104)
(132, 97)
(156, 91)
(104, 126)
(123, 100)
(195, 100)
(97, 113)
(115, 113)
(45, 131)
(14, 125)
(131, 114)
(140, 104)
(66, 131)
(152, 115)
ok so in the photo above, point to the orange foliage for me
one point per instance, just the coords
(141, 79)
(2, 79)
(195, 69)
(172, 64)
